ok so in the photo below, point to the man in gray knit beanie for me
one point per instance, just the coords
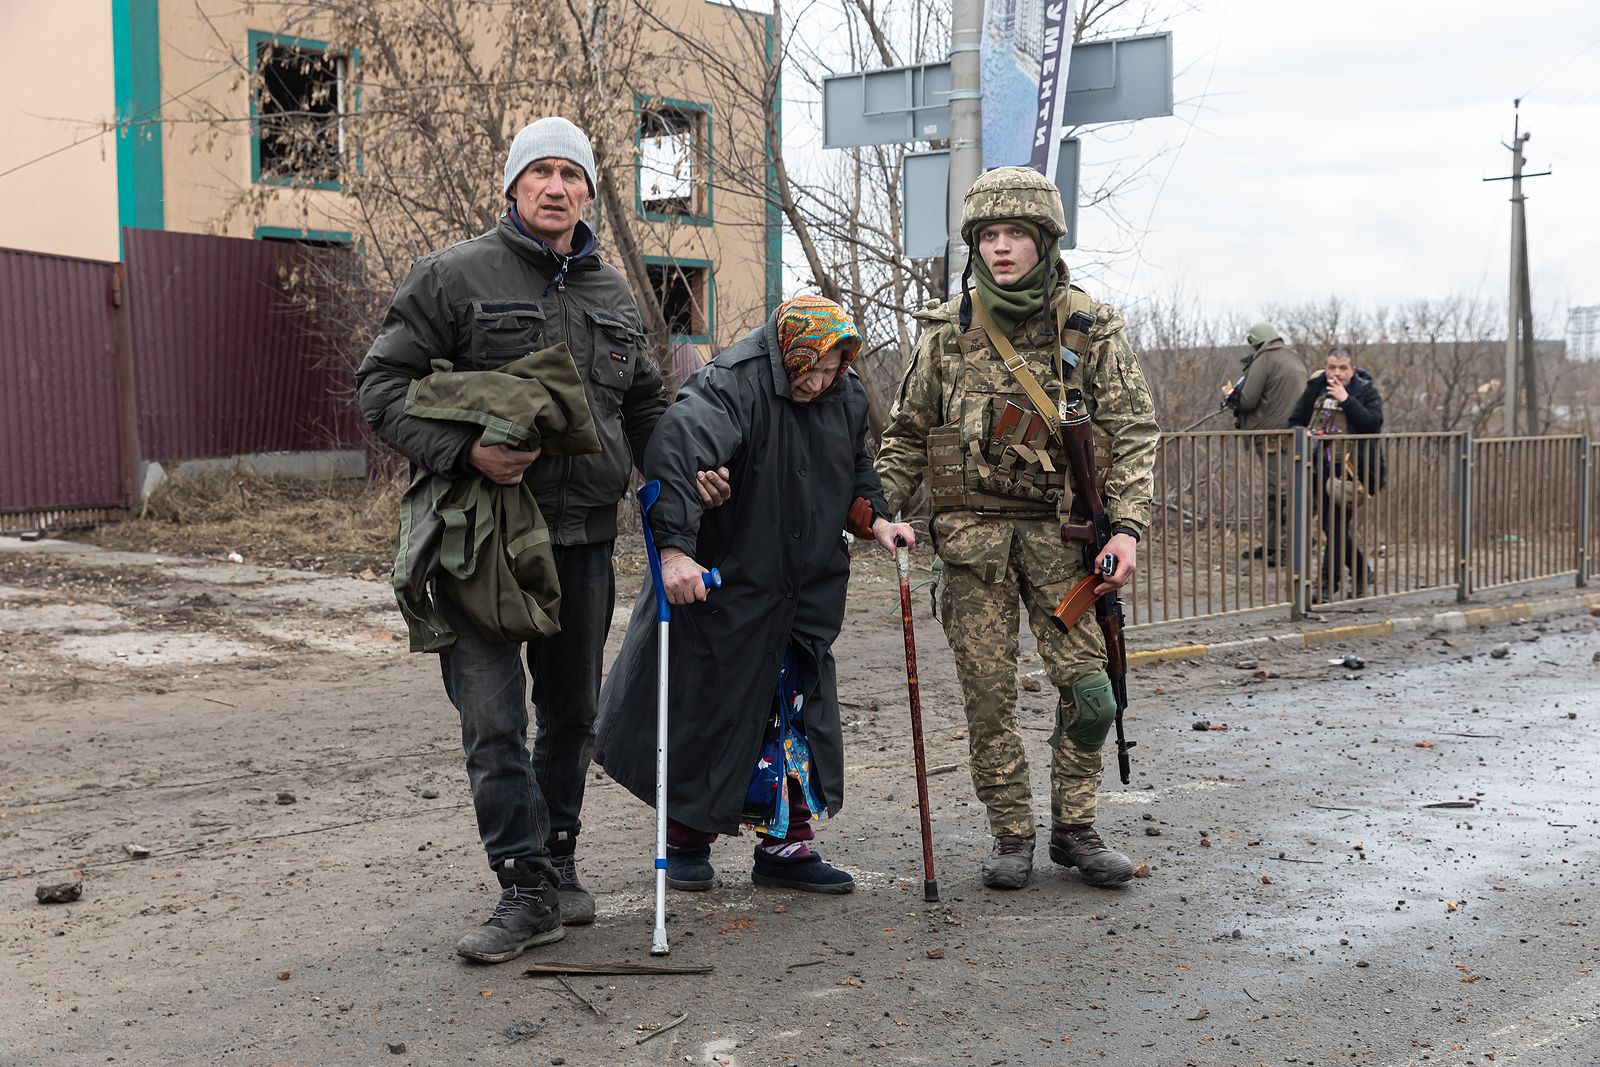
(550, 179)
(536, 280)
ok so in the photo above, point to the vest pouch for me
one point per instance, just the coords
(1014, 459)
(947, 473)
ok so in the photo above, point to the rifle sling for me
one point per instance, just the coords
(1018, 368)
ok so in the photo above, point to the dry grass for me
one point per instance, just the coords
(307, 523)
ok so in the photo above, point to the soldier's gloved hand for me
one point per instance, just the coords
(1126, 550)
(714, 488)
(680, 574)
(501, 464)
(887, 533)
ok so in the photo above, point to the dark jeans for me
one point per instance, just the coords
(1339, 551)
(528, 804)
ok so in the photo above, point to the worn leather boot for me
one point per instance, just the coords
(1010, 863)
(577, 903)
(528, 914)
(1079, 846)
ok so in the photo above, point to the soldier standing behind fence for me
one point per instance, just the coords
(1343, 399)
(1262, 399)
(965, 424)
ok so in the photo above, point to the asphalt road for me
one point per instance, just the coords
(1304, 903)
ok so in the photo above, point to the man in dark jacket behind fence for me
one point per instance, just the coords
(1342, 400)
(535, 280)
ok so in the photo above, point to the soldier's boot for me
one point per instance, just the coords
(528, 914)
(1010, 862)
(1080, 846)
(577, 903)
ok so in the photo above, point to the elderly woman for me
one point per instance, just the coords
(755, 738)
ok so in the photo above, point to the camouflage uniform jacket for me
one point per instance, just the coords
(957, 379)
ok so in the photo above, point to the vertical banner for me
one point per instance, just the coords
(1055, 54)
(1023, 58)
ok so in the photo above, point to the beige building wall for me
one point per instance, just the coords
(205, 49)
(67, 203)
(56, 88)
(737, 242)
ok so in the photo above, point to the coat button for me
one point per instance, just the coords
(795, 534)
(802, 472)
(789, 595)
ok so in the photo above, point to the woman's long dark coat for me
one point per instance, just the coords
(795, 469)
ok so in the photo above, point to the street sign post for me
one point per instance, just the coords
(1118, 80)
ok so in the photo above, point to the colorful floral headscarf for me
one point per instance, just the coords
(809, 327)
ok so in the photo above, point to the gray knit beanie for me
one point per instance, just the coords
(549, 138)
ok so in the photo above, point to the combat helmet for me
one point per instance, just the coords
(1013, 193)
(1261, 333)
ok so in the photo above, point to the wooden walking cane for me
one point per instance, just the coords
(930, 883)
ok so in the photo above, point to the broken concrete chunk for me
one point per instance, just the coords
(59, 892)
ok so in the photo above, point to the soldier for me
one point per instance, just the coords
(1273, 376)
(985, 439)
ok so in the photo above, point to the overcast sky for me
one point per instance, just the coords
(1340, 149)
(1323, 149)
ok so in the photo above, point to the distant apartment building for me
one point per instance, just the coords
(195, 116)
(1583, 333)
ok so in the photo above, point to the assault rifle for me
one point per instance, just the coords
(1093, 535)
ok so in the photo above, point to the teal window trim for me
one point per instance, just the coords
(711, 297)
(136, 80)
(643, 102)
(774, 214)
(255, 39)
(289, 233)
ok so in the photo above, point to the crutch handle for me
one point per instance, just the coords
(712, 578)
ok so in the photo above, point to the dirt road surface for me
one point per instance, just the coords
(296, 778)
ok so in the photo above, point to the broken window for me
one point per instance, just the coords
(673, 160)
(300, 97)
(684, 294)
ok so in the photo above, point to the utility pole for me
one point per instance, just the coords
(966, 128)
(1519, 312)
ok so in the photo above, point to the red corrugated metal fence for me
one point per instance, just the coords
(225, 362)
(60, 434)
(217, 359)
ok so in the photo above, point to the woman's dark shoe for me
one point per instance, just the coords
(806, 872)
(689, 869)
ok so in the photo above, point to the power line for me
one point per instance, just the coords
(140, 119)
(1573, 59)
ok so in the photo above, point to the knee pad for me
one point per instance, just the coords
(1086, 712)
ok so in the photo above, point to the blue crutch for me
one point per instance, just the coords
(649, 493)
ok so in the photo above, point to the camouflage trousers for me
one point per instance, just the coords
(981, 623)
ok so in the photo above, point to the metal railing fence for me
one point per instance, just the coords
(1527, 509)
(1243, 521)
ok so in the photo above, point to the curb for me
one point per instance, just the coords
(1443, 620)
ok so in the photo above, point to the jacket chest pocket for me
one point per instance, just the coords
(618, 345)
(503, 330)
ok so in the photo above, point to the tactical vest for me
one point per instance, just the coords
(996, 452)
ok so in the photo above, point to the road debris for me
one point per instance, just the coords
(138, 852)
(658, 1028)
(556, 967)
(59, 892)
(522, 1031)
(1500, 651)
